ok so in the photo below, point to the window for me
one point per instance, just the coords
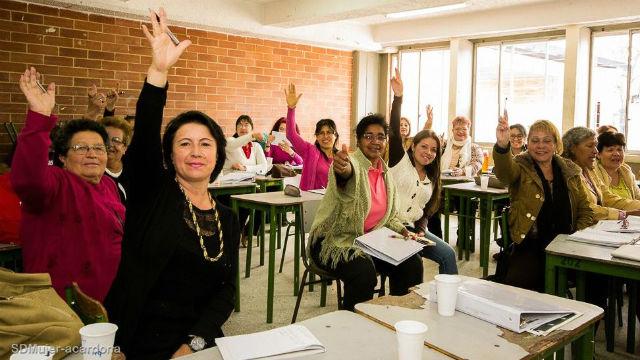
(425, 75)
(615, 83)
(525, 77)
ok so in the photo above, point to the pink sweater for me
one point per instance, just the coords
(70, 228)
(316, 166)
(280, 156)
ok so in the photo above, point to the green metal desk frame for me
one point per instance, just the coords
(275, 211)
(556, 283)
(466, 221)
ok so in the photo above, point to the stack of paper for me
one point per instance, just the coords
(279, 137)
(236, 176)
(600, 237)
(387, 245)
(628, 252)
(319, 191)
(633, 225)
(291, 339)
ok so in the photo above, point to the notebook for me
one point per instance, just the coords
(385, 245)
(628, 252)
(288, 341)
(600, 237)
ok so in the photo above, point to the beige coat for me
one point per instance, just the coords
(626, 174)
(611, 204)
(527, 193)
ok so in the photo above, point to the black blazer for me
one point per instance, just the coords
(155, 208)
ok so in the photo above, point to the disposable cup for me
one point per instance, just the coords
(468, 171)
(411, 335)
(97, 341)
(447, 289)
(484, 182)
(34, 352)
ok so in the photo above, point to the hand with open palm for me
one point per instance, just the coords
(164, 53)
(291, 96)
(39, 101)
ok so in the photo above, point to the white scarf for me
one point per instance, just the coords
(465, 152)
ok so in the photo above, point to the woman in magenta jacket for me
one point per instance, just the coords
(317, 156)
(282, 153)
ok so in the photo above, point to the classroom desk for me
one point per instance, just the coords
(241, 187)
(448, 180)
(563, 254)
(266, 182)
(462, 336)
(466, 220)
(275, 203)
(345, 335)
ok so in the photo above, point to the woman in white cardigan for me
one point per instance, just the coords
(243, 153)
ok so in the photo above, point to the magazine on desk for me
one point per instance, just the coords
(233, 177)
(281, 343)
(514, 309)
(386, 244)
(596, 236)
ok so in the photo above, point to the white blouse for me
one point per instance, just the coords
(256, 163)
(412, 194)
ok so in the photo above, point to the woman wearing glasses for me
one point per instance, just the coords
(72, 217)
(517, 134)
(361, 197)
(119, 132)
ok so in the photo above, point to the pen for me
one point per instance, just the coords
(41, 87)
(173, 38)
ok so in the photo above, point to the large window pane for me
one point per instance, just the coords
(425, 75)
(633, 126)
(531, 84)
(486, 92)
(609, 67)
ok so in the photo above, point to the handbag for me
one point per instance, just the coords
(282, 171)
(33, 313)
(291, 190)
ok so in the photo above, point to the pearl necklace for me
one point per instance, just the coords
(195, 223)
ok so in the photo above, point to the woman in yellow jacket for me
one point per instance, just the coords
(612, 169)
(580, 147)
(547, 199)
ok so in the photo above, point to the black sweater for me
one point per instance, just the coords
(154, 227)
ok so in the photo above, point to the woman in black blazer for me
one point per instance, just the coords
(175, 286)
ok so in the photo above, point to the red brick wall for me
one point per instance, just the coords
(222, 75)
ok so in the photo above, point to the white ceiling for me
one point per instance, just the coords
(361, 24)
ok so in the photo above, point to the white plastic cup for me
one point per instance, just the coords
(97, 341)
(468, 171)
(447, 289)
(34, 352)
(411, 335)
(484, 182)
(269, 161)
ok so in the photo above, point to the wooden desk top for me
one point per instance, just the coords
(465, 337)
(231, 185)
(346, 336)
(446, 179)
(564, 247)
(278, 198)
(473, 187)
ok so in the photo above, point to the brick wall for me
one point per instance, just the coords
(222, 75)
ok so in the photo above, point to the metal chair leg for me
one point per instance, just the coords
(302, 284)
(284, 249)
(339, 290)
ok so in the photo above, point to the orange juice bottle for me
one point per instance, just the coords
(485, 163)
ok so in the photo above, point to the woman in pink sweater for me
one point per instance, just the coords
(318, 156)
(282, 153)
(72, 217)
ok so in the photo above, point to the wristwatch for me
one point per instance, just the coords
(197, 343)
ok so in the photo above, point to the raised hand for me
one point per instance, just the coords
(164, 53)
(291, 96)
(396, 84)
(258, 136)
(112, 97)
(286, 147)
(39, 101)
(429, 123)
(502, 130)
(341, 162)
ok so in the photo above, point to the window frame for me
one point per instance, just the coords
(500, 42)
(614, 30)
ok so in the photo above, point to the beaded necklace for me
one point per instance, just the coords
(195, 223)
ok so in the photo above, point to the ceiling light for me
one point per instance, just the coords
(431, 10)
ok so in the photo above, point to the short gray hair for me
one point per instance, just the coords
(573, 137)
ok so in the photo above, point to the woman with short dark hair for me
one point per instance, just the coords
(282, 153)
(360, 197)
(612, 169)
(244, 152)
(72, 218)
(517, 136)
(176, 283)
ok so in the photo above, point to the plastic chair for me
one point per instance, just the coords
(88, 309)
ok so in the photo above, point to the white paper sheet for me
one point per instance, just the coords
(383, 244)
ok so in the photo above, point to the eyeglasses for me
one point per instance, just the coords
(116, 141)
(83, 149)
(371, 137)
(516, 137)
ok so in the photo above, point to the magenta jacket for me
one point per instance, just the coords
(70, 228)
(281, 157)
(316, 165)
